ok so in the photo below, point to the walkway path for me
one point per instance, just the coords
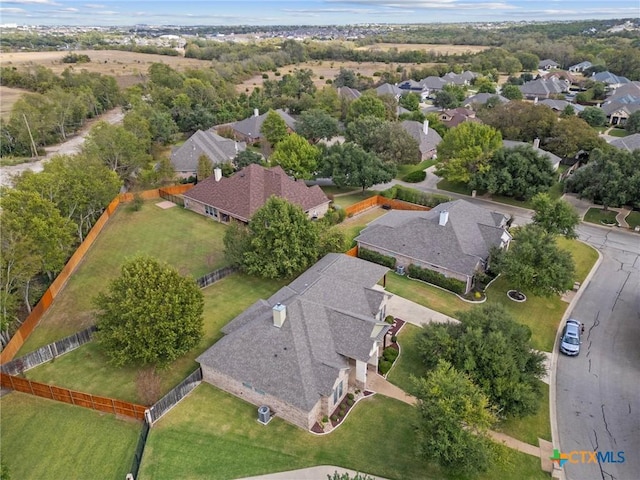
(312, 473)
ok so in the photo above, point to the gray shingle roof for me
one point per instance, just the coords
(427, 142)
(609, 78)
(218, 149)
(250, 127)
(629, 143)
(388, 89)
(547, 63)
(457, 246)
(560, 105)
(349, 93)
(300, 361)
(248, 189)
(543, 87)
(482, 98)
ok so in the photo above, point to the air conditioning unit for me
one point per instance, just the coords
(400, 269)
(264, 414)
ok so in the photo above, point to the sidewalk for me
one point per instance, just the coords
(312, 473)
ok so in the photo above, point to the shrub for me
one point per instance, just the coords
(350, 396)
(389, 192)
(325, 419)
(334, 418)
(412, 195)
(277, 74)
(342, 411)
(321, 77)
(389, 319)
(384, 366)
(136, 203)
(436, 278)
(349, 401)
(328, 81)
(415, 176)
(394, 338)
(334, 216)
(477, 295)
(265, 75)
(376, 257)
(390, 354)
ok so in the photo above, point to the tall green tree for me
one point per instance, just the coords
(454, 419)
(274, 128)
(467, 150)
(247, 157)
(149, 315)
(518, 120)
(632, 124)
(535, 264)
(512, 92)
(555, 216)
(446, 100)
(117, 148)
(297, 157)
(205, 167)
(518, 172)
(367, 105)
(594, 116)
(315, 125)
(571, 135)
(282, 240)
(495, 352)
(350, 165)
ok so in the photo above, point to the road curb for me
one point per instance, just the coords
(553, 418)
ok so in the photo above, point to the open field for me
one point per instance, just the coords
(189, 242)
(328, 69)
(128, 68)
(43, 439)
(9, 96)
(212, 434)
(443, 49)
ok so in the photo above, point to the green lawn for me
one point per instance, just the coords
(406, 169)
(527, 429)
(43, 439)
(584, 256)
(333, 190)
(184, 239)
(426, 295)
(633, 219)
(455, 187)
(618, 132)
(86, 369)
(598, 215)
(212, 434)
(348, 200)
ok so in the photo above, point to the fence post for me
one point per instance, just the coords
(147, 417)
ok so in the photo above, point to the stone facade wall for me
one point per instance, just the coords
(321, 210)
(287, 412)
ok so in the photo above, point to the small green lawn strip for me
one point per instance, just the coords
(618, 132)
(345, 201)
(44, 439)
(633, 219)
(354, 225)
(455, 187)
(599, 215)
(333, 190)
(528, 429)
(406, 169)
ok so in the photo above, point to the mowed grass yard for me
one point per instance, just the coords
(86, 369)
(212, 434)
(47, 440)
(189, 242)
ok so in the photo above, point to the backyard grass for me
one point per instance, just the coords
(212, 434)
(618, 132)
(455, 187)
(527, 429)
(633, 219)
(43, 439)
(86, 369)
(354, 225)
(345, 201)
(333, 190)
(188, 241)
(598, 216)
(406, 169)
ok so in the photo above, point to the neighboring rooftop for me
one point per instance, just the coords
(218, 149)
(629, 143)
(250, 127)
(552, 157)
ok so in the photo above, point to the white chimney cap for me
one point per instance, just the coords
(444, 218)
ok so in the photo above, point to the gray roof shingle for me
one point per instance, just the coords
(300, 361)
(552, 157)
(248, 189)
(427, 142)
(218, 149)
(629, 143)
(457, 246)
(250, 127)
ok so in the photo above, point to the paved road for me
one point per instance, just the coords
(69, 147)
(598, 392)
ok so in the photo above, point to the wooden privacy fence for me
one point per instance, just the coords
(167, 402)
(379, 200)
(49, 352)
(214, 276)
(32, 320)
(86, 400)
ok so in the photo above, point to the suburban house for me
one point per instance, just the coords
(481, 99)
(427, 138)
(610, 79)
(432, 85)
(301, 351)
(554, 160)
(558, 106)
(453, 239)
(208, 143)
(547, 64)
(240, 195)
(580, 67)
(544, 88)
(622, 102)
(248, 130)
(415, 87)
(454, 117)
(464, 78)
(388, 89)
(348, 93)
(628, 143)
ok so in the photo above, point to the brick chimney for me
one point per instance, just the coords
(444, 218)
(279, 314)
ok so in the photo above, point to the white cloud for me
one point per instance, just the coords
(93, 5)
(31, 2)
(11, 10)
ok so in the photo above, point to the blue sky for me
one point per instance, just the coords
(313, 12)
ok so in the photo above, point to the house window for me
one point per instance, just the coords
(337, 393)
(209, 210)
